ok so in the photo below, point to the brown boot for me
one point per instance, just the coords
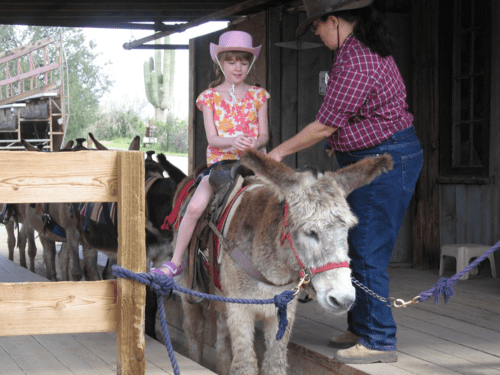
(358, 354)
(346, 340)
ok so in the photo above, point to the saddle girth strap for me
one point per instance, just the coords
(239, 258)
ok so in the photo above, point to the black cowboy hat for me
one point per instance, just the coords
(318, 8)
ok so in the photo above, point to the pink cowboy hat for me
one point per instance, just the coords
(234, 41)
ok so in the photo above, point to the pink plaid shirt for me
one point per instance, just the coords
(365, 98)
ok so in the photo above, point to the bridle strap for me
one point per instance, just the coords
(311, 271)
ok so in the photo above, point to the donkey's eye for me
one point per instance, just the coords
(313, 234)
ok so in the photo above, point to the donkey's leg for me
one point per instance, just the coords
(73, 242)
(49, 258)
(21, 244)
(242, 328)
(64, 261)
(30, 235)
(107, 272)
(275, 359)
(194, 327)
(90, 270)
(11, 239)
(223, 345)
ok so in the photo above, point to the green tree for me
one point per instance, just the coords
(118, 123)
(87, 81)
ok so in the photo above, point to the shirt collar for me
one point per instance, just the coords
(345, 46)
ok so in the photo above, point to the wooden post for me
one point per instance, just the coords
(131, 255)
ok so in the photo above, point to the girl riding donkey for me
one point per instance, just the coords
(235, 118)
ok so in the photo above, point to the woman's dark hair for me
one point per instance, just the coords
(370, 29)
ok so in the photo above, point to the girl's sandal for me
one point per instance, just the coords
(174, 270)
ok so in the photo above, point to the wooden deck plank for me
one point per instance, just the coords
(81, 354)
(443, 353)
(32, 357)
(73, 355)
(9, 366)
(444, 323)
(470, 341)
(11, 272)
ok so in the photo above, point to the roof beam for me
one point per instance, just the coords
(199, 21)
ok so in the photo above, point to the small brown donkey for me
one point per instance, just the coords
(315, 208)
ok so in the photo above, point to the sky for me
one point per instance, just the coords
(126, 67)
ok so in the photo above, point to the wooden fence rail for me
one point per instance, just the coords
(64, 307)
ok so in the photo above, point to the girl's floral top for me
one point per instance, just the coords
(232, 120)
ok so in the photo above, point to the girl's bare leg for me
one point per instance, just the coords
(195, 209)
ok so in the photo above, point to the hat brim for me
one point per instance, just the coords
(301, 30)
(216, 49)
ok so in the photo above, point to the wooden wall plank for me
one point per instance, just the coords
(494, 121)
(289, 75)
(84, 176)
(460, 202)
(192, 107)
(310, 63)
(274, 76)
(476, 218)
(425, 52)
(487, 213)
(131, 255)
(448, 214)
(63, 307)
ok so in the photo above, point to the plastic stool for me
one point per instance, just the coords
(463, 253)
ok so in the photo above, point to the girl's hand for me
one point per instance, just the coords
(243, 142)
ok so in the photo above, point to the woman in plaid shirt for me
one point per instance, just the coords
(364, 113)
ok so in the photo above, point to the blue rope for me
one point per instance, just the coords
(445, 286)
(164, 284)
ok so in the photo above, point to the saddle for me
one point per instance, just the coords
(106, 212)
(227, 179)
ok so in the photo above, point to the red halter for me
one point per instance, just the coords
(309, 272)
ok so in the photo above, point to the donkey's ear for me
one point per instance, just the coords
(362, 173)
(135, 145)
(278, 174)
(68, 146)
(28, 146)
(97, 144)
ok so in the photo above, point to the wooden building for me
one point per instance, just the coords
(446, 53)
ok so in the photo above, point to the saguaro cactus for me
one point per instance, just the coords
(159, 82)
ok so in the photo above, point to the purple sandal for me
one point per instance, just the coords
(174, 270)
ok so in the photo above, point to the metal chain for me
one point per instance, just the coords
(390, 301)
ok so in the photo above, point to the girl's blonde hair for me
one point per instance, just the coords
(228, 56)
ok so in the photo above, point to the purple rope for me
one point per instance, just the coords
(444, 286)
(164, 284)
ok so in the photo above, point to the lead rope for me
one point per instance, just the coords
(444, 286)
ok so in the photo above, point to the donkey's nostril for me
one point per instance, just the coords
(334, 301)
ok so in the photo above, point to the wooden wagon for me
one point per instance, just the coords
(34, 102)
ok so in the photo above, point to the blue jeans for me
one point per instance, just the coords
(380, 207)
